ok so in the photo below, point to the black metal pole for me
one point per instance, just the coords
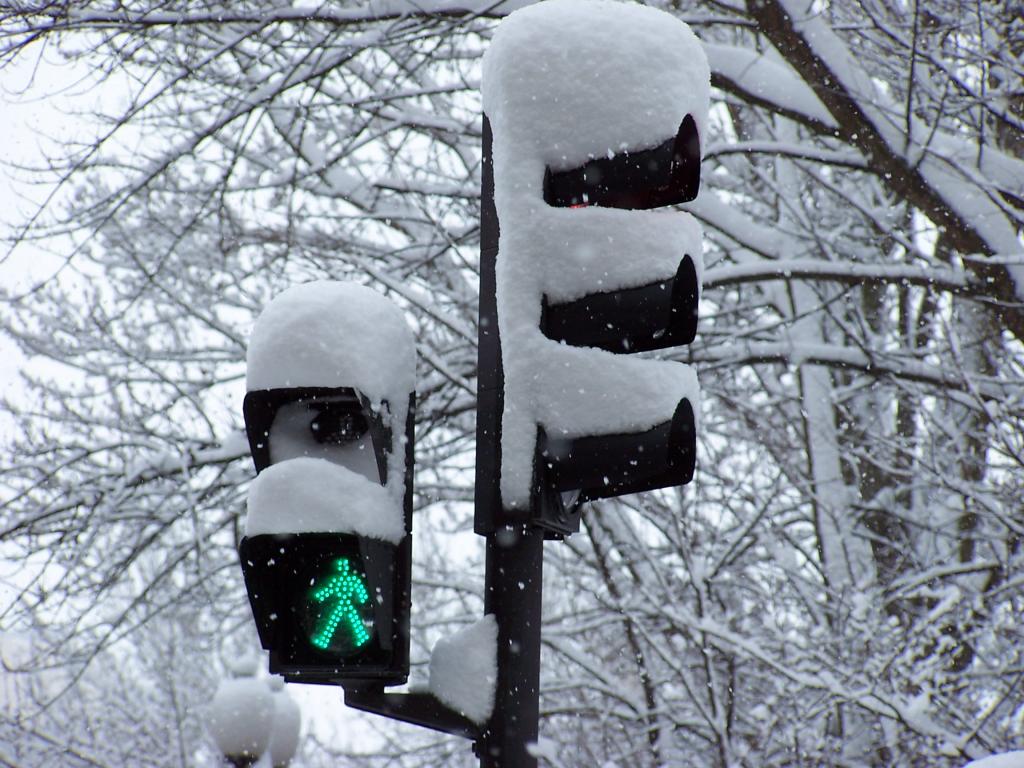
(513, 594)
(515, 548)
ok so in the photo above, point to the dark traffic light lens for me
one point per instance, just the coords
(335, 426)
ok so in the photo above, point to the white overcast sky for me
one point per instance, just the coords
(27, 121)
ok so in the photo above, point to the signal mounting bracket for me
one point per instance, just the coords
(417, 707)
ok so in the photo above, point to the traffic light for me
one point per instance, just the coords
(581, 145)
(329, 607)
(327, 551)
(659, 314)
(570, 466)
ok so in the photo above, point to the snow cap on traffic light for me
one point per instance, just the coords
(333, 334)
(330, 373)
(634, 72)
(307, 495)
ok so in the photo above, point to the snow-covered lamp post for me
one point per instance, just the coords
(252, 717)
(241, 718)
(284, 734)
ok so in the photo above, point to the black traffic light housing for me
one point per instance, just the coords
(282, 576)
(603, 466)
(658, 315)
(370, 577)
(562, 414)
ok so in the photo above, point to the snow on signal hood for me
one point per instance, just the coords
(333, 334)
(316, 496)
(650, 62)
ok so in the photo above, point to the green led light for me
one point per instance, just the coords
(340, 593)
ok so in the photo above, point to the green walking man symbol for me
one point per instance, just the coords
(340, 593)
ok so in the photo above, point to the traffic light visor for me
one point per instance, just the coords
(653, 316)
(649, 178)
(601, 466)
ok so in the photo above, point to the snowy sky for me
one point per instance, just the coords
(20, 121)
(29, 126)
(23, 121)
